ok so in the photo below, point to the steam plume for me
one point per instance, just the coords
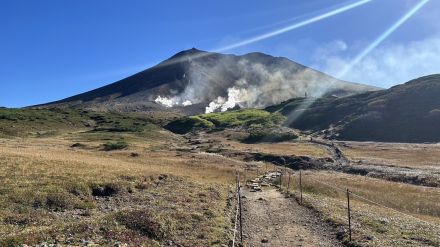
(254, 80)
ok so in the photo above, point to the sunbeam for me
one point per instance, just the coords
(293, 26)
(273, 33)
(382, 38)
(307, 103)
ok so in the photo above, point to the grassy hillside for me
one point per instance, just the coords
(404, 113)
(106, 179)
(247, 118)
(51, 122)
(244, 118)
(255, 125)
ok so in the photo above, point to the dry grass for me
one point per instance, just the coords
(374, 225)
(407, 155)
(284, 148)
(298, 148)
(46, 194)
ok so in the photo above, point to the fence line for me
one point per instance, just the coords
(371, 201)
(236, 213)
(238, 224)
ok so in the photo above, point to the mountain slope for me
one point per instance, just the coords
(404, 113)
(192, 80)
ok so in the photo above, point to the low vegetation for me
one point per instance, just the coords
(244, 118)
(110, 146)
(247, 118)
(187, 124)
(52, 122)
(257, 135)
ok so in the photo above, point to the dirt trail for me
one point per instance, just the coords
(270, 219)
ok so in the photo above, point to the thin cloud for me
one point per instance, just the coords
(390, 64)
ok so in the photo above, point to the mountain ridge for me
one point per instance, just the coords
(200, 77)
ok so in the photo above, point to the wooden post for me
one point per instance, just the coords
(288, 185)
(349, 214)
(237, 210)
(240, 209)
(300, 187)
(281, 180)
(236, 182)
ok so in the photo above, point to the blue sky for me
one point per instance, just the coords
(52, 49)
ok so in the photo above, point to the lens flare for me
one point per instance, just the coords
(270, 34)
(307, 103)
(294, 26)
(294, 19)
(382, 38)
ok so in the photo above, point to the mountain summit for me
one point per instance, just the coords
(199, 81)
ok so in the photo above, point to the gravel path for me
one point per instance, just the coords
(270, 219)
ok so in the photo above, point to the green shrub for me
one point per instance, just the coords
(78, 145)
(108, 189)
(244, 118)
(79, 189)
(12, 241)
(143, 222)
(109, 146)
(263, 135)
(59, 201)
(187, 124)
(240, 118)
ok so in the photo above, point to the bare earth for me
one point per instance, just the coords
(270, 219)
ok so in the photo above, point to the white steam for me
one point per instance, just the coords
(168, 102)
(254, 81)
(172, 101)
(235, 97)
(187, 103)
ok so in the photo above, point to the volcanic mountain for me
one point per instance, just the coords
(194, 81)
(405, 113)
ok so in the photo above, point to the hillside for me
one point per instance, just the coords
(55, 122)
(193, 80)
(404, 113)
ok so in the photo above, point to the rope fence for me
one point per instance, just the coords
(349, 194)
(238, 222)
(372, 202)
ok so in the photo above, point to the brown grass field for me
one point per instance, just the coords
(299, 148)
(51, 192)
(397, 154)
